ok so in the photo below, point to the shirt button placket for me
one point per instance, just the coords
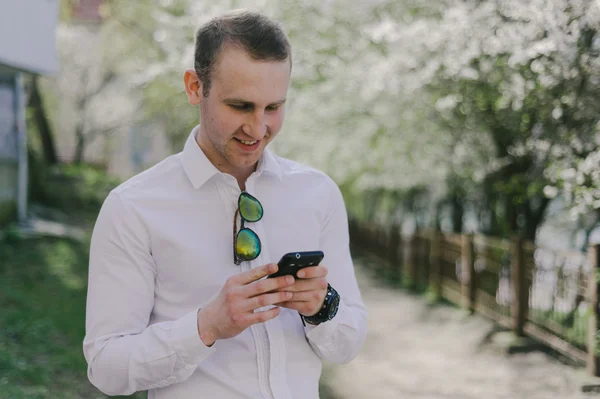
(259, 332)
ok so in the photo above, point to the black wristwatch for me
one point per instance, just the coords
(329, 309)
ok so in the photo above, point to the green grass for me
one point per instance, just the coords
(43, 308)
(42, 297)
(8, 212)
(43, 285)
(574, 324)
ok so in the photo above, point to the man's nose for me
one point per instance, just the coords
(256, 126)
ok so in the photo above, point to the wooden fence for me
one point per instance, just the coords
(547, 294)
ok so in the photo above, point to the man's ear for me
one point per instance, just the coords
(193, 87)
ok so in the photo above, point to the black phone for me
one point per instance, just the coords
(291, 262)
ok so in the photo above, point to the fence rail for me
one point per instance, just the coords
(548, 294)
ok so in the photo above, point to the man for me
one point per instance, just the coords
(169, 309)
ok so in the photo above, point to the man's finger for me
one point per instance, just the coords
(266, 285)
(312, 272)
(257, 317)
(265, 300)
(307, 285)
(255, 274)
(306, 296)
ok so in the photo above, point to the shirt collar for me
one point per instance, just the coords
(199, 169)
(268, 163)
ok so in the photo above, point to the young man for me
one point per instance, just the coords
(169, 309)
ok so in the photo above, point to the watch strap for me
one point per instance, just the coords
(328, 310)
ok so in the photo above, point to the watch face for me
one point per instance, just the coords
(329, 310)
(333, 307)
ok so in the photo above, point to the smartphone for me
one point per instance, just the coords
(291, 262)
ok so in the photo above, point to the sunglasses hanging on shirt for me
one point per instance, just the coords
(246, 244)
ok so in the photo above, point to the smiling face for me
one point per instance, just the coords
(244, 109)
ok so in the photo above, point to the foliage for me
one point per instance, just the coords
(516, 86)
(485, 108)
(78, 190)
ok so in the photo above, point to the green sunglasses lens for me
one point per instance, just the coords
(250, 208)
(247, 245)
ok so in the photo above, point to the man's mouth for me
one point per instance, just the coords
(248, 146)
(246, 142)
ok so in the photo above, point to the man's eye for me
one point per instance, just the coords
(240, 107)
(273, 108)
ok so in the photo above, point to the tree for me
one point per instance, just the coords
(42, 122)
(521, 74)
(95, 99)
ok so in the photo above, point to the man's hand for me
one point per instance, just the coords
(232, 311)
(309, 291)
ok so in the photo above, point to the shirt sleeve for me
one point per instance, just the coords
(125, 354)
(340, 339)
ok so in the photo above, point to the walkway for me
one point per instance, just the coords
(418, 352)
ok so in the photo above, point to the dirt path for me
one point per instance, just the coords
(417, 352)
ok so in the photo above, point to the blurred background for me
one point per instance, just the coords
(464, 134)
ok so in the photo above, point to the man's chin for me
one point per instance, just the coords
(246, 161)
(251, 157)
(250, 162)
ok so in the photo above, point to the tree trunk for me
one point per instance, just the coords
(534, 217)
(511, 212)
(42, 123)
(457, 213)
(80, 146)
(494, 228)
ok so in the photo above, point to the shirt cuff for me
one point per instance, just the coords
(323, 332)
(187, 342)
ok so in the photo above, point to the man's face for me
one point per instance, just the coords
(244, 110)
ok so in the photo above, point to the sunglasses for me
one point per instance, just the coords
(246, 244)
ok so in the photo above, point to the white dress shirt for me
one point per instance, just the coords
(162, 248)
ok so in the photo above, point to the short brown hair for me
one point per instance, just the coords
(262, 38)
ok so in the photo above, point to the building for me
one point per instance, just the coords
(27, 46)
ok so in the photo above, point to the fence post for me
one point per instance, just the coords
(409, 261)
(435, 271)
(393, 251)
(593, 360)
(468, 280)
(372, 237)
(380, 248)
(520, 302)
(363, 236)
(400, 256)
(385, 242)
(424, 260)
